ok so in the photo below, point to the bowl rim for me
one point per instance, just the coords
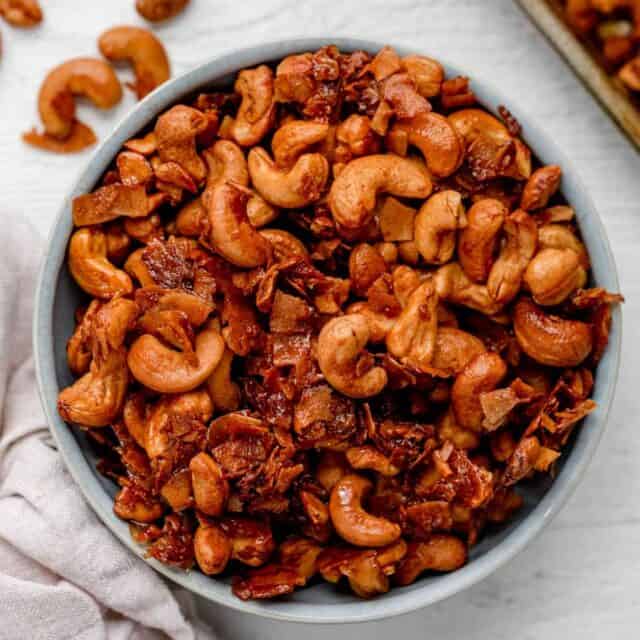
(397, 601)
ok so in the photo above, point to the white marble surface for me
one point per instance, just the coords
(581, 578)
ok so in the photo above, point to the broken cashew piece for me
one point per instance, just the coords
(436, 226)
(340, 353)
(352, 522)
(145, 52)
(294, 138)
(90, 267)
(168, 371)
(297, 187)
(550, 339)
(256, 114)
(158, 10)
(352, 197)
(439, 553)
(210, 487)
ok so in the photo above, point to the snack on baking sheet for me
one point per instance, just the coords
(334, 317)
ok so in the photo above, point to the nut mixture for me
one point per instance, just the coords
(336, 315)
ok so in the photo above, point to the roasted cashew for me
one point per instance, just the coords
(226, 163)
(412, 338)
(108, 203)
(426, 73)
(96, 399)
(454, 349)
(224, 392)
(553, 275)
(256, 114)
(368, 457)
(158, 10)
(542, 184)
(477, 242)
(191, 219)
(88, 77)
(167, 371)
(90, 267)
(341, 357)
(352, 197)
(299, 186)
(355, 137)
(80, 343)
(136, 267)
(437, 140)
(405, 281)
(212, 549)
(332, 466)
(210, 487)
(550, 339)
(480, 375)
(366, 265)
(21, 13)
(453, 285)
(251, 540)
(143, 50)
(559, 236)
(505, 277)
(230, 232)
(284, 244)
(436, 226)
(294, 138)
(176, 131)
(352, 522)
(439, 553)
(133, 168)
(379, 323)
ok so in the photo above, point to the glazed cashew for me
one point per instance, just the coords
(559, 236)
(210, 487)
(226, 163)
(230, 232)
(439, 553)
(368, 457)
(352, 197)
(167, 371)
(212, 549)
(90, 267)
(224, 392)
(480, 375)
(453, 285)
(454, 349)
(366, 265)
(297, 187)
(256, 114)
(96, 399)
(436, 226)
(21, 13)
(379, 323)
(437, 140)
(108, 203)
(343, 361)
(477, 242)
(426, 73)
(158, 10)
(143, 50)
(89, 77)
(412, 338)
(176, 132)
(284, 244)
(355, 137)
(542, 184)
(553, 275)
(294, 138)
(352, 522)
(550, 339)
(505, 277)
(332, 467)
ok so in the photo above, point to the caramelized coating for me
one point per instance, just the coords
(309, 359)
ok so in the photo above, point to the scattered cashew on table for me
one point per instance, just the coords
(335, 315)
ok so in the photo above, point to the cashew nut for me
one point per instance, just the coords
(426, 73)
(454, 349)
(453, 285)
(352, 522)
(295, 137)
(108, 203)
(477, 242)
(412, 338)
(143, 50)
(230, 231)
(21, 13)
(284, 244)
(379, 322)
(256, 114)
(224, 392)
(290, 189)
(439, 553)
(438, 141)
(550, 339)
(352, 197)
(341, 358)
(210, 487)
(355, 137)
(436, 226)
(480, 375)
(226, 163)
(89, 77)
(366, 265)
(212, 549)
(505, 277)
(90, 267)
(167, 371)
(158, 10)
(542, 184)
(553, 275)
(559, 236)
(176, 132)
(368, 457)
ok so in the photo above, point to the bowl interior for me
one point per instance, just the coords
(58, 296)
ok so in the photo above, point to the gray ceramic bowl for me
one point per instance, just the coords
(58, 296)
